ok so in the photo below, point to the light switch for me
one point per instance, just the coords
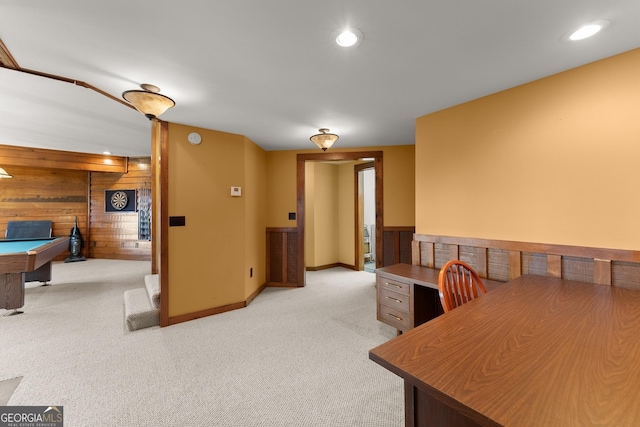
(236, 191)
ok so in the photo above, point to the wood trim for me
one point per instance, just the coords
(327, 266)
(543, 248)
(217, 310)
(55, 159)
(395, 228)
(71, 81)
(505, 260)
(515, 264)
(415, 252)
(285, 256)
(379, 206)
(482, 262)
(358, 186)
(160, 200)
(87, 238)
(454, 252)
(257, 292)
(339, 156)
(554, 266)
(6, 59)
(300, 181)
(204, 313)
(602, 271)
(281, 229)
(267, 267)
(281, 285)
(300, 185)
(431, 255)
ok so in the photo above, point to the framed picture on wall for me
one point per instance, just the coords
(120, 200)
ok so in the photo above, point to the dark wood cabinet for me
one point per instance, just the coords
(407, 295)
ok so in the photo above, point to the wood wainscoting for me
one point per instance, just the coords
(505, 260)
(282, 257)
(397, 245)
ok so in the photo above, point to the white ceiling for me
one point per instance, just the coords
(270, 70)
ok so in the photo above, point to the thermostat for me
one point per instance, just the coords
(236, 191)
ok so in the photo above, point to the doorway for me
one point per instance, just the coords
(365, 215)
(300, 192)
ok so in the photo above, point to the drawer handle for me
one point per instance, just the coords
(395, 299)
(399, 319)
(393, 284)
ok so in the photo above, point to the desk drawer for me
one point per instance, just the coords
(393, 285)
(394, 300)
(396, 318)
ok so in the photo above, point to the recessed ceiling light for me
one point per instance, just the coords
(350, 37)
(106, 152)
(588, 30)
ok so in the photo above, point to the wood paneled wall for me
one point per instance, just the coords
(114, 235)
(396, 243)
(45, 194)
(282, 257)
(56, 159)
(505, 260)
(59, 186)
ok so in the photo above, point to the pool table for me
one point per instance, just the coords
(18, 256)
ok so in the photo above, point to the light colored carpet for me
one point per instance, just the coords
(294, 357)
(7, 387)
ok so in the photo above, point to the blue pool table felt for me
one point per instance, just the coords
(18, 246)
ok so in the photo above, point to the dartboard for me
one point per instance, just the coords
(119, 200)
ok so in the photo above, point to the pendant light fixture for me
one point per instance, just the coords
(4, 174)
(149, 101)
(324, 139)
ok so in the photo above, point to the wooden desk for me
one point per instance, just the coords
(537, 351)
(18, 256)
(407, 295)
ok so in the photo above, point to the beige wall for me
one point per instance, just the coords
(346, 214)
(281, 191)
(399, 184)
(310, 215)
(224, 237)
(255, 200)
(209, 258)
(398, 190)
(329, 214)
(552, 161)
(323, 224)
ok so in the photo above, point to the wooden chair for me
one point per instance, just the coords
(458, 283)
